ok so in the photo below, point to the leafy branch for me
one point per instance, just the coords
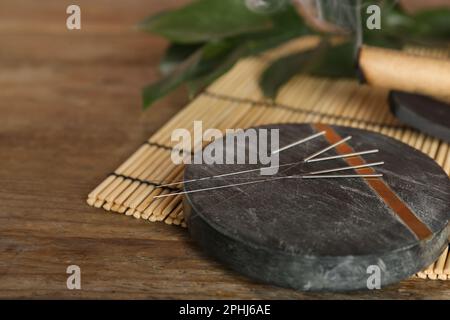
(209, 36)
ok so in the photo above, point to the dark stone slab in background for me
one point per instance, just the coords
(426, 114)
(321, 234)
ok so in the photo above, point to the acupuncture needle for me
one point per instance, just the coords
(375, 175)
(265, 168)
(229, 174)
(307, 176)
(218, 187)
(279, 166)
(347, 168)
(347, 155)
(327, 148)
(366, 165)
(299, 142)
(268, 180)
(252, 170)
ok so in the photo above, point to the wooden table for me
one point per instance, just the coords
(69, 114)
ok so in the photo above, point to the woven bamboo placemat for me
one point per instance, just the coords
(235, 101)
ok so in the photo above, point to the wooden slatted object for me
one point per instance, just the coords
(235, 101)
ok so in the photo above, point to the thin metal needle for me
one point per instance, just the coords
(308, 176)
(250, 170)
(347, 155)
(347, 168)
(271, 179)
(279, 166)
(299, 142)
(327, 148)
(229, 174)
(221, 187)
(344, 176)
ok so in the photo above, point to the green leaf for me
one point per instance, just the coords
(175, 55)
(287, 26)
(323, 60)
(383, 40)
(219, 56)
(206, 20)
(181, 73)
(288, 20)
(429, 27)
(199, 63)
(432, 23)
(283, 69)
(198, 83)
(335, 61)
(245, 48)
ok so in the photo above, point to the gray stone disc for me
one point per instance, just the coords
(324, 234)
(421, 112)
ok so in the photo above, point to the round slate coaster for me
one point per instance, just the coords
(324, 234)
(421, 112)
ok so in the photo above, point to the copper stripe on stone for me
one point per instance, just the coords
(385, 193)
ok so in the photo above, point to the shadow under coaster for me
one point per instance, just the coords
(324, 234)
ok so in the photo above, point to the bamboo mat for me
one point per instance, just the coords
(235, 101)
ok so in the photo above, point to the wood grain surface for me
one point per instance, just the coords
(69, 114)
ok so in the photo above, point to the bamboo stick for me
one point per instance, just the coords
(440, 263)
